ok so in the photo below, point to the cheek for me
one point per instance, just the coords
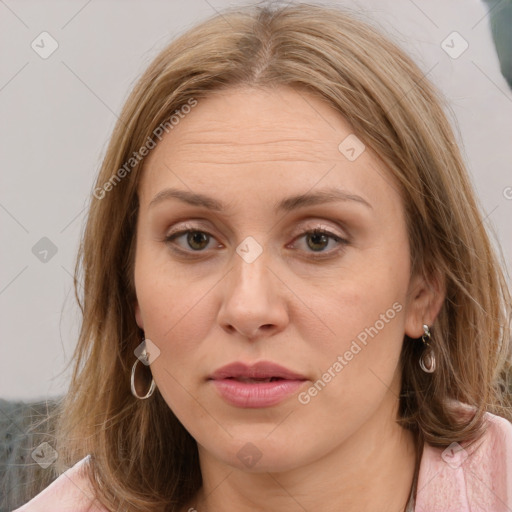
(367, 332)
(173, 313)
(365, 314)
(173, 305)
(361, 298)
(355, 373)
(176, 316)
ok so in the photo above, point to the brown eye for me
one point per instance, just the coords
(196, 241)
(318, 241)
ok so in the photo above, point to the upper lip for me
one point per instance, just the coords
(259, 370)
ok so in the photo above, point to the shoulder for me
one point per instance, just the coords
(469, 477)
(70, 491)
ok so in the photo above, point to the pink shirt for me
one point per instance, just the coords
(476, 479)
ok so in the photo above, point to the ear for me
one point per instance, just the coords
(138, 315)
(425, 299)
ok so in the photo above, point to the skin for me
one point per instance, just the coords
(250, 148)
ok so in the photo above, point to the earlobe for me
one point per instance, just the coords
(426, 299)
(138, 316)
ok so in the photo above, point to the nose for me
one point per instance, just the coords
(253, 302)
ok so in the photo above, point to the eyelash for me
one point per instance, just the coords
(316, 231)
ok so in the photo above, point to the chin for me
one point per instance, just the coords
(259, 454)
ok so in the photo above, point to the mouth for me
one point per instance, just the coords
(262, 371)
(264, 384)
(255, 381)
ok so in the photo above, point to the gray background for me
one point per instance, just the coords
(58, 113)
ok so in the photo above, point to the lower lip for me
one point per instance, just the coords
(252, 395)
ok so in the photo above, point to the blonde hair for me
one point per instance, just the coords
(143, 457)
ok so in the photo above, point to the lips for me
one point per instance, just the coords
(263, 384)
(263, 371)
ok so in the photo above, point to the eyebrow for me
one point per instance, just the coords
(327, 195)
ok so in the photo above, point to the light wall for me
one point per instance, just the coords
(57, 114)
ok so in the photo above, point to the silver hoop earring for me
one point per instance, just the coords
(145, 358)
(428, 358)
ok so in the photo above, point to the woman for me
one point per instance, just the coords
(284, 232)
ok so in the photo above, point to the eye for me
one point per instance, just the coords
(318, 239)
(195, 239)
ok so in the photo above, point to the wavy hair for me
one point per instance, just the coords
(143, 456)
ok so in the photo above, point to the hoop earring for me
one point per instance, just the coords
(144, 357)
(428, 358)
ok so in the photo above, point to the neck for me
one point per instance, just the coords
(372, 470)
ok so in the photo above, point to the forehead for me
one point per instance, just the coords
(257, 120)
(260, 142)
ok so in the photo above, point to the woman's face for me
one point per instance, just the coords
(250, 283)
